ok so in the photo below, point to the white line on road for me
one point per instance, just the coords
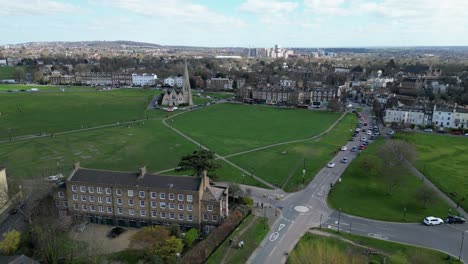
(272, 251)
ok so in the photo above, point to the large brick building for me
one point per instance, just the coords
(137, 199)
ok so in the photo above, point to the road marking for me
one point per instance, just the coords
(272, 251)
(274, 236)
(281, 226)
(378, 236)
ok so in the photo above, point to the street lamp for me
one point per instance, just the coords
(303, 172)
(461, 246)
(243, 178)
(339, 219)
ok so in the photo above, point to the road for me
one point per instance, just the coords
(11, 222)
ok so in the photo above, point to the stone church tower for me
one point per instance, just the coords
(186, 91)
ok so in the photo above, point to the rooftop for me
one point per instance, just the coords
(133, 179)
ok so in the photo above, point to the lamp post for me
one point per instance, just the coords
(339, 219)
(243, 178)
(303, 172)
(461, 246)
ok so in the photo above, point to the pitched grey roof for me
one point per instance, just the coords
(18, 259)
(132, 179)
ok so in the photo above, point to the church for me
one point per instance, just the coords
(175, 97)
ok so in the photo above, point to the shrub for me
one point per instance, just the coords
(190, 237)
(247, 201)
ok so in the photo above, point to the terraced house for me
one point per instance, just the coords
(137, 199)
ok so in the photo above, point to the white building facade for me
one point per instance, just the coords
(144, 79)
(169, 81)
(406, 116)
(452, 117)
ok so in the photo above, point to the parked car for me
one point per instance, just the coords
(344, 160)
(343, 148)
(331, 165)
(369, 132)
(431, 220)
(354, 149)
(458, 133)
(362, 147)
(363, 139)
(466, 134)
(13, 211)
(390, 132)
(372, 137)
(351, 139)
(115, 232)
(428, 130)
(365, 123)
(453, 219)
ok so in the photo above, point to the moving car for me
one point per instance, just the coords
(363, 139)
(115, 232)
(452, 219)
(344, 160)
(331, 165)
(343, 148)
(354, 149)
(390, 132)
(428, 130)
(431, 220)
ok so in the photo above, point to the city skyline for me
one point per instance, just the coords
(246, 23)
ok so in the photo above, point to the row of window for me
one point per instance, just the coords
(130, 193)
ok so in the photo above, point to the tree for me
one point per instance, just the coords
(149, 238)
(9, 245)
(334, 105)
(170, 248)
(396, 154)
(199, 161)
(426, 195)
(190, 237)
(38, 76)
(235, 191)
(19, 74)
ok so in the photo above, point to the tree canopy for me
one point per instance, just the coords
(199, 161)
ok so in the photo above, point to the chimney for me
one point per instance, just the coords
(142, 172)
(205, 179)
(76, 165)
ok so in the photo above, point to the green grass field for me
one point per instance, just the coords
(443, 159)
(283, 165)
(16, 88)
(231, 128)
(252, 238)
(366, 195)
(312, 247)
(33, 113)
(8, 72)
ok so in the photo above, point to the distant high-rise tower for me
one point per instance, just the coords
(186, 91)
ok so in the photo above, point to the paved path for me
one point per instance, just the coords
(228, 252)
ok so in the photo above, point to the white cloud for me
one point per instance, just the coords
(326, 6)
(268, 6)
(35, 7)
(179, 11)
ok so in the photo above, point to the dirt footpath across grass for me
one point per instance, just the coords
(95, 235)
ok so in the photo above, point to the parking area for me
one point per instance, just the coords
(95, 235)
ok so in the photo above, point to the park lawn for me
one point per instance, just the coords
(365, 195)
(218, 95)
(252, 238)
(8, 72)
(44, 88)
(313, 245)
(34, 113)
(117, 148)
(283, 165)
(231, 128)
(443, 160)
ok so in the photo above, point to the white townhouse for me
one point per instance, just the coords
(169, 81)
(406, 116)
(144, 79)
(450, 117)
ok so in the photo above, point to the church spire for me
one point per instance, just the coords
(186, 87)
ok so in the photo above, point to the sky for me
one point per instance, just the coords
(239, 23)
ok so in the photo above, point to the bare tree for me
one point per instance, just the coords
(395, 154)
(426, 195)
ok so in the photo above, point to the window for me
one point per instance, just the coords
(84, 207)
(142, 213)
(92, 208)
(209, 207)
(142, 203)
(118, 192)
(130, 193)
(91, 198)
(162, 205)
(171, 196)
(190, 217)
(65, 203)
(171, 216)
(82, 189)
(162, 196)
(214, 218)
(108, 200)
(171, 205)
(189, 198)
(74, 188)
(91, 189)
(163, 214)
(154, 214)
(181, 207)
(100, 209)
(75, 197)
(181, 217)
(60, 194)
(99, 189)
(205, 217)
(131, 211)
(180, 197)
(130, 202)
(108, 190)
(141, 194)
(153, 204)
(190, 207)
(119, 201)
(99, 199)
(57, 203)
(119, 210)
(83, 198)
(109, 209)
(154, 195)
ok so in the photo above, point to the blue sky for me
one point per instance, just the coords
(245, 23)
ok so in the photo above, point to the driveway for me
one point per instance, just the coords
(95, 235)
